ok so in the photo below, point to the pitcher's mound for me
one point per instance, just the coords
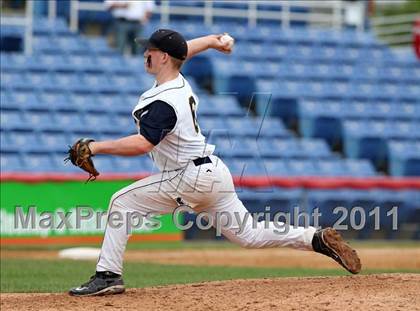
(364, 292)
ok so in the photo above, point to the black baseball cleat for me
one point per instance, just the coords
(100, 284)
(330, 243)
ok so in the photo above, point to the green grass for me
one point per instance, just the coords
(212, 245)
(54, 275)
(27, 275)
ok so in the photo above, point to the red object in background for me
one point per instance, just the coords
(416, 39)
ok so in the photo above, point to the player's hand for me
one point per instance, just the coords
(217, 44)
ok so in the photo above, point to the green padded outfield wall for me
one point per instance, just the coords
(65, 197)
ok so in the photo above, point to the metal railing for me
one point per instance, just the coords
(394, 30)
(24, 21)
(319, 12)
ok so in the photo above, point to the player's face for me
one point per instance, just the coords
(154, 59)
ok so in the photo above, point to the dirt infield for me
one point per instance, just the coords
(372, 258)
(365, 292)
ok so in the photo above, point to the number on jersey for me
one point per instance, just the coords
(193, 106)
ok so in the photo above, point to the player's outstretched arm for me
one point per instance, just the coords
(127, 146)
(201, 44)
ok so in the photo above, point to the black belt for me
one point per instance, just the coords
(201, 161)
(122, 19)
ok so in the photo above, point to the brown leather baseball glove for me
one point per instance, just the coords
(80, 155)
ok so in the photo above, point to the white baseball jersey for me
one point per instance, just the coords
(185, 141)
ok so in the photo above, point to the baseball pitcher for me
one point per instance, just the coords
(190, 174)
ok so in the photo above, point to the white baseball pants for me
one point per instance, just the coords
(207, 187)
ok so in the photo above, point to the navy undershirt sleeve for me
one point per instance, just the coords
(156, 121)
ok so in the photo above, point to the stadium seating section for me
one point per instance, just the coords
(334, 87)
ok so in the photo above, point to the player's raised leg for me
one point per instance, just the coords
(242, 230)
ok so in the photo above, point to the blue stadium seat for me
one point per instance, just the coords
(213, 126)
(14, 80)
(326, 201)
(272, 200)
(41, 81)
(99, 46)
(97, 83)
(245, 167)
(123, 124)
(40, 120)
(70, 121)
(237, 147)
(84, 133)
(111, 63)
(66, 82)
(115, 103)
(100, 122)
(54, 141)
(45, 45)
(128, 165)
(314, 148)
(86, 102)
(281, 99)
(55, 101)
(412, 201)
(72, 45)
(404, 130)
(27, 100)
(242, 126)
(50, 63)
(104, 164)
(320, 119)
(366, 140)
(13, 120)
(10, 162)
(5, 100)
(366, 72)
(25, 141)
(332, 167)
(35, 63)
(270, 127)
(302, 168)
(45, 27)
(324, 71)
(367, 200)
(124, 83)
(39, 162)
(206, 109)
(11, 38)
(278, 51)
(13, 62)
(404, 158)
(226, 105)
(387, 200)
(83, 63)
(6, 144)
(300, 52)
(405, 111)
(221, 69)
(359, 168)
(410, 91)
(276, 167)
(200, 68)
(284, 148)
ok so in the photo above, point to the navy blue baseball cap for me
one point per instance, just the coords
(168, 41)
